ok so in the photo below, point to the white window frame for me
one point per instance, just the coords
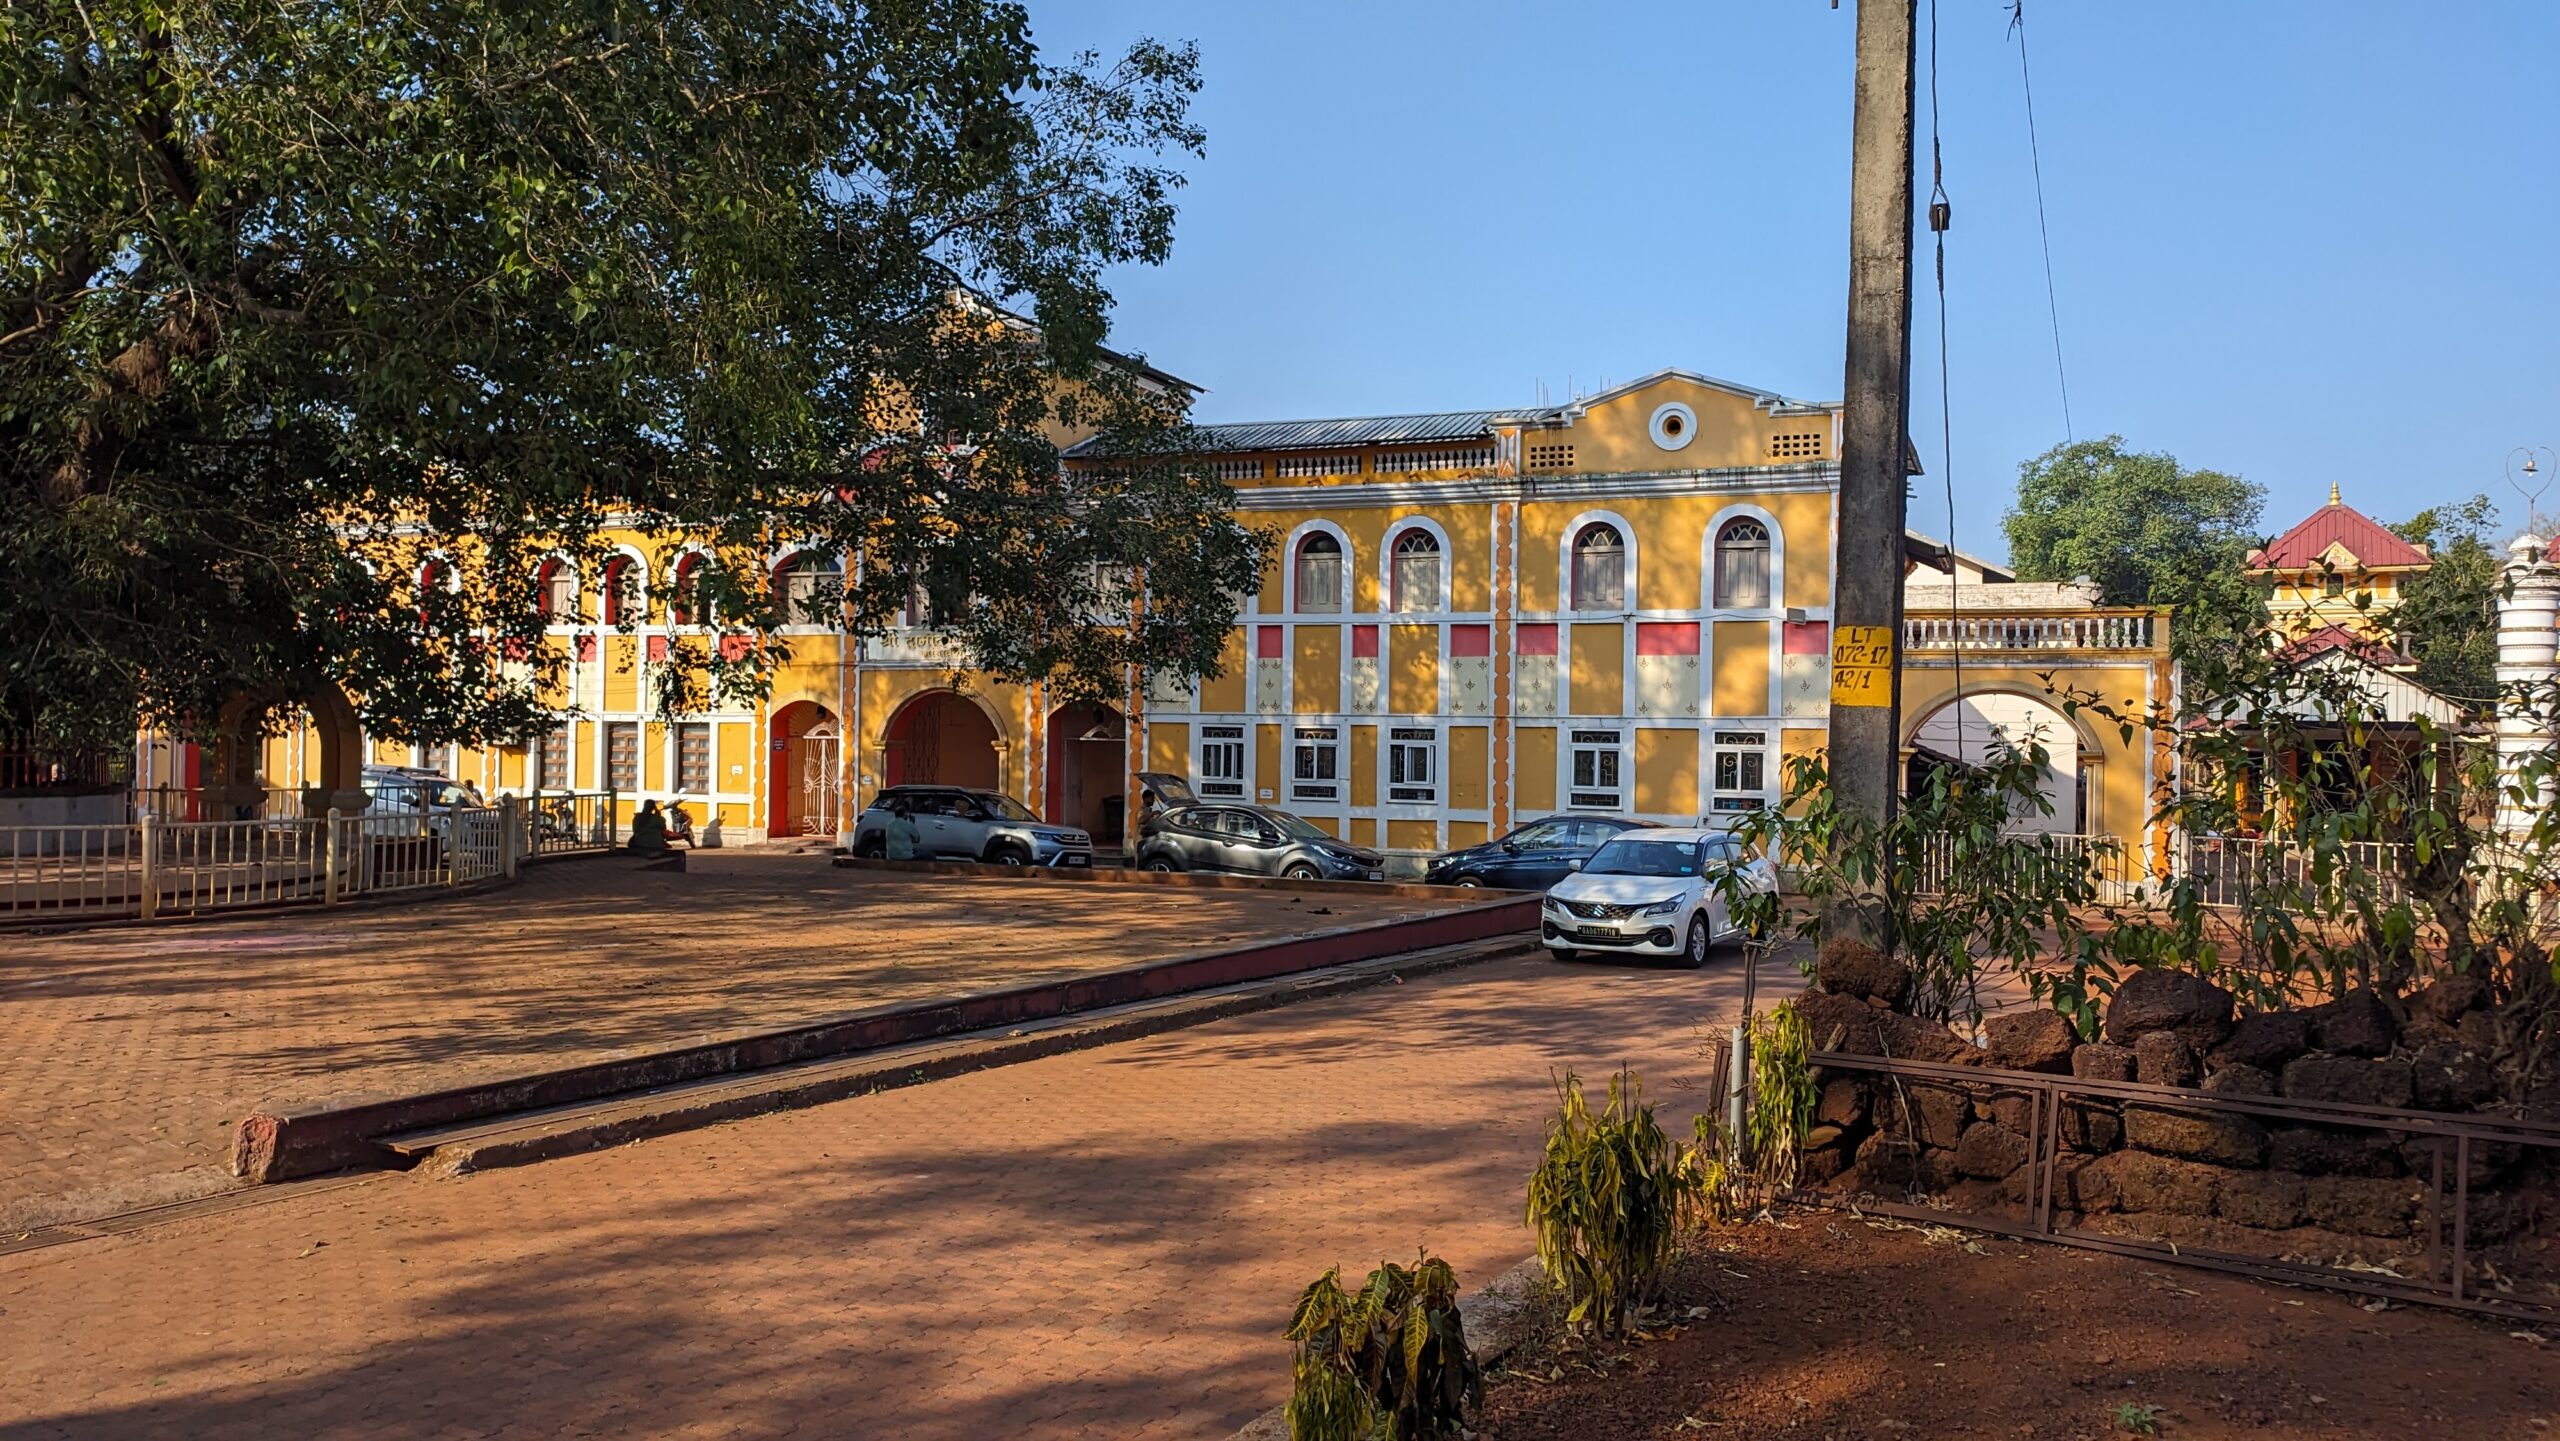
(710, 737)
(1630, 574)
(547, 758)
(605, 757)
(1223, 749)
(1413, 766)
(1710, 568)
(1748, 750)
(1723, 582)
(1608, 792)
(798, 578)
(556, 569)
(1390, 583)
(1334, 604)
(1315, 765)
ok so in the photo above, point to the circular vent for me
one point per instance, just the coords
(1674, 425)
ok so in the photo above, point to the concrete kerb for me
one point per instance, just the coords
(526, 1138)
(284, 1143)
(1498, 1316)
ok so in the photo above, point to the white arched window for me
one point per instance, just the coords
(1415, 580)
(559, 592)
(1320, 572)
(810, 587)
(1599, 568)
(689, 598)
(1742, 566)
(621, 589)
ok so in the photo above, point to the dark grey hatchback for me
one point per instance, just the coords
(1252, 841)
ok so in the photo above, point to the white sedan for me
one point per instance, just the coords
(1652, 893)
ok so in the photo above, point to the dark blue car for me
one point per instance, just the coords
(1531, 858)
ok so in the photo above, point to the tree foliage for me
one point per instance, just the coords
(1962, 883)
(2149, 531)
(2448, 613)
(2327, 848)
(293, 296)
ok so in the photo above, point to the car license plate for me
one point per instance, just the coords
(1596, 933)
(1377, 875)
(1073, 859)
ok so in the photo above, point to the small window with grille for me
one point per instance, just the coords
(1595, 778)
(1550, 457)
(1222, 761)
(1316, 770)
(1796, 445)
(1413, 764)
(1741, 771)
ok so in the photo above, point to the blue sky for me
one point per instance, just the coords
(2304, 242)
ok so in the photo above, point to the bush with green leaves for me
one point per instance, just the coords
(1955, 884)
(1386, 1363)
(1608, 1201)
(2332, 846)
(1778, 1113)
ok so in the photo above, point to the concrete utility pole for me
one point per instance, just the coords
(1866, 612)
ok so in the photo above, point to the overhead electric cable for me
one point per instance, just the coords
(2035, 159)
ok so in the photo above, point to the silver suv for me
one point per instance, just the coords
(958, 824)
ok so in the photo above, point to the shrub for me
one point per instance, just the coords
(1608, 1199)
(1783, 1095)
(1389, 1361)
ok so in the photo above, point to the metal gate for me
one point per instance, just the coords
(814, 762)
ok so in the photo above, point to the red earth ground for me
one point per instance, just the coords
(1826, 1325)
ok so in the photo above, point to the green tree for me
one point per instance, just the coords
(290, 294)
(2448, 613)
(2149, 531)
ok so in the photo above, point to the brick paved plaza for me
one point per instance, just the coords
(1104, 1243)
(128, 1053)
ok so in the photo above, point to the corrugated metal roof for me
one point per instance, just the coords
(2336, 524)
(1325, 434)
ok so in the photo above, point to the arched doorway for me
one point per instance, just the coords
(1966, 730)
(808, 771)
(1088, 770)
(942, 738)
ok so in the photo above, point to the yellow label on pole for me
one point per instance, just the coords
(1862, 665)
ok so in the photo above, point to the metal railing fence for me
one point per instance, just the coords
(157, 867)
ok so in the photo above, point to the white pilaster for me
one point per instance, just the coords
(2527, 669)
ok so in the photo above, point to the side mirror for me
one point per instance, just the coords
(1574, 865)
(1511, 848)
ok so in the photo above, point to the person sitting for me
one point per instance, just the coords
(898, 838)
(649, 832)
(679, 824)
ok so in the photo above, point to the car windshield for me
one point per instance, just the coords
(1644, 858)
(1296, 828)
(1005, 806)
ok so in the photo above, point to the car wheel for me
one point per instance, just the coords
(1300, 871)
(1472, 883)
(870, 850)
(1162, 865)
(1011, 856)
(1564, 957)
(1693, 951)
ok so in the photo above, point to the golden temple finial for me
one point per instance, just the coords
(2333, 493)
